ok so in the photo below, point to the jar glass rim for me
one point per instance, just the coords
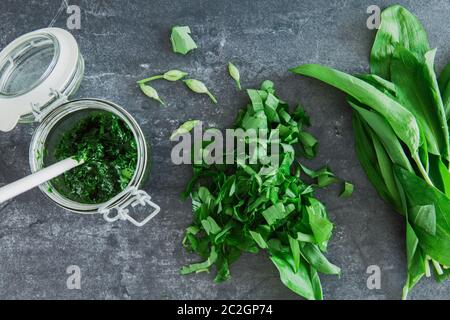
(38, 143)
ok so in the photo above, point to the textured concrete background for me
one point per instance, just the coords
(122, 43)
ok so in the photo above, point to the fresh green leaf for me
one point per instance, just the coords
(424, 217)
(416, 89)
(181, 39)
(419, 193)
(347, 191)
(185, 128)
(150, 92)
(401, 120)
(234, 73)
(256, 99)
(171, 75)
(174, 75)
(398, 28)
(316, 259)
(295, 250)
(303, 237)
(202, 266)
(275, 213)
(315, 283)
(211, 226)
(416, 262)
(259, 240)
(299, 282)
(199, 87)
(268, 86)
(444, 86)
(386, 169)
(387, 136)
(320, 225)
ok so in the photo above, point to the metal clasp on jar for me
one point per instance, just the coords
(138, 197)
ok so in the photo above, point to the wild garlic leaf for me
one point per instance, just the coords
(300, 281)
(399, 27)
(259, 239)
(424, 217)
(385, 133)
(276, 212)
(367, 157)
(295, 250)
(303, 237)
(199, 87)
(202, 266)
(347, 190)
(401, 120)
(234, 73)
(268, 86)
(211, 226)
(316, 258)
(386, 168)
(420, 193)
(184, 128)
(181, 40)
(315, 283)
(150, 92)
(415, 259)
(319, 223)
(416, 86)
(444, 86)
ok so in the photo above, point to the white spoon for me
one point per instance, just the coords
(33, 180)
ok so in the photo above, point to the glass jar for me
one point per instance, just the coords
(39, 72)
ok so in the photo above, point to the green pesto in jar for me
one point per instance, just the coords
(108, 146)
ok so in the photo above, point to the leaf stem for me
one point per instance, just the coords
(437, 266)
(211, 96)
(427, 268)
(422, 169)
(160, 76)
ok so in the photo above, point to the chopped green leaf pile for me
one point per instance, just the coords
(252, 207)
(109, 149)
(181, 39)
(400, 119)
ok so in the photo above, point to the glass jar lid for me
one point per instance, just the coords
(38, 71)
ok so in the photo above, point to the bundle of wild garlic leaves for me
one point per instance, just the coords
(401, 114)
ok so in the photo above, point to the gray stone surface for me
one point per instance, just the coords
(125, 41)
